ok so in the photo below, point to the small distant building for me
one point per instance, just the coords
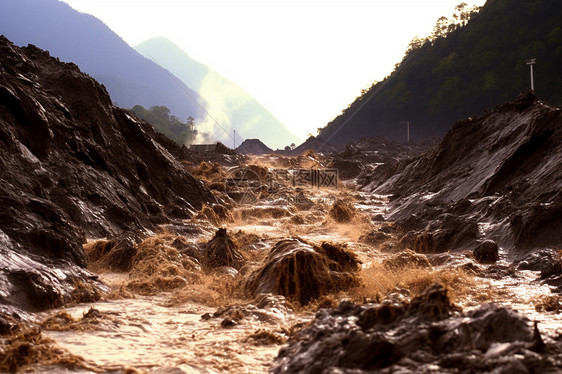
(217, 147)
(204, 148)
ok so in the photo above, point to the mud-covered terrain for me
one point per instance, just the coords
(74, 166)
(493, 186)
(426, 335)
(124, 253)
(361, 158)
(501, 171)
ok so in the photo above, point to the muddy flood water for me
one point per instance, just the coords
(178, 309)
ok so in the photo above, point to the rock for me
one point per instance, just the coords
(302, 272)
(378, 218)
(427, 334)
(34, 283)
(539, 260)
(353, 160)
(228, 322)
(551, 273)
(384, 313)
(433, 303)
(446, 232)
(487, 252)
(497, 324)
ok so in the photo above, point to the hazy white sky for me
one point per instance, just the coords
(304, 60)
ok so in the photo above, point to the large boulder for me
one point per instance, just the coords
(487, 252)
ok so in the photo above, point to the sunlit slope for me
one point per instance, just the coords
(231, 106)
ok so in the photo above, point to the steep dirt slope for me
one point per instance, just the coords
(502, 171)
(74, 166)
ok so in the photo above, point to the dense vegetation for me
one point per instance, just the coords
(161, 119)
(461, 70)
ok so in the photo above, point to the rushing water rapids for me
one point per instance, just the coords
(190, 328)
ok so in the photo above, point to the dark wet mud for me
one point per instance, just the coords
(317, 284)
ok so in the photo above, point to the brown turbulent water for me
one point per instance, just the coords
(175, 332)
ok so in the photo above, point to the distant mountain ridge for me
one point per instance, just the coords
(72, 36)
(229, 104)
(470, 69)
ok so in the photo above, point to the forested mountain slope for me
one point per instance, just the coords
(469, 69)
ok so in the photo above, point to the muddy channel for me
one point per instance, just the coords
(225, 291)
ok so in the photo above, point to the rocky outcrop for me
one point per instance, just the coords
(427, 334)
(74, 166)
(494, 177)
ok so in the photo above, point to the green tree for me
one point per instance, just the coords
(163, 121)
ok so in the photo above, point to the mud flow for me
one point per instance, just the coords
(124, 252)
(283, 276)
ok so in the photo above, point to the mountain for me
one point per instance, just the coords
(457, 74)
(231, 106)
(72, 36)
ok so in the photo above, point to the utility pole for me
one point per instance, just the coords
(407, 123)
(408, 132)
(532, 62)
(234, 139)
